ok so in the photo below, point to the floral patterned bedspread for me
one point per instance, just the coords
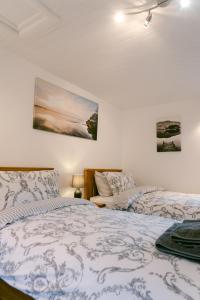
(80, 252)
(167, 204)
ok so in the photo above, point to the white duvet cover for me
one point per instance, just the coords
(67, 249)
(155, 201)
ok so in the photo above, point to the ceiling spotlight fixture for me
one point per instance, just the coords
(142, 6)
(119, 17)
(185, 3)
(148, 19)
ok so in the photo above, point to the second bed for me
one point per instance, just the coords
(123, 194)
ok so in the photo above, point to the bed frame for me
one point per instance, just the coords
(90, 188)
(6, 291)
(24, 169)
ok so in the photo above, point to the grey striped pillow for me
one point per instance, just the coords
(102, 185)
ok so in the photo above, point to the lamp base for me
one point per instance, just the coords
(77, 193)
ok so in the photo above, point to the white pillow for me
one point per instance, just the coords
(119, 182)
(18, 188)
(124, 200)
(102, 185)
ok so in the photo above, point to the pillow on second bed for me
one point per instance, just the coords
(119, 185)
(18, 188)
(119, 182)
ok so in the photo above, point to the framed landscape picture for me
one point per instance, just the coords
(169, 135)
(60, 111)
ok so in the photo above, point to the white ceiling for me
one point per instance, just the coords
(126, 64)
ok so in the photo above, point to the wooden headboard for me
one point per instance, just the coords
(90, 188)
(24, 169)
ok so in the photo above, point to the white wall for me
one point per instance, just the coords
(176, 171)
(21, 145)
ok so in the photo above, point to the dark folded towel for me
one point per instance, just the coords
(192, 221)
(187, 232)
(182, 239)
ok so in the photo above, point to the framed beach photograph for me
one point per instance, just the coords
(60, 111)
(169, 135)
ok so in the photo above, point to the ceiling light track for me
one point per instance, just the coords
(120, 16)
(136, 11)
(149, 10)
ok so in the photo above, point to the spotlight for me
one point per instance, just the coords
(119, 17)
(185, 3)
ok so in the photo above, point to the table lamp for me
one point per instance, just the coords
(78, 183)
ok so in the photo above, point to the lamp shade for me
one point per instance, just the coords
(78, 181)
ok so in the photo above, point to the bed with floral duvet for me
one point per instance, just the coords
(150, 200)
(62, 248)
(156, 201)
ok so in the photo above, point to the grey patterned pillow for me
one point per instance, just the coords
(18, 188)
(124, 200)
(119, 182)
